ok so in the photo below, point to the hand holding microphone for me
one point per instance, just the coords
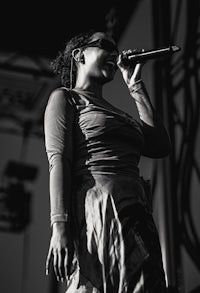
(130, 62)
(130, 57)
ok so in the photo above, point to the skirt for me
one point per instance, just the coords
(117, 248)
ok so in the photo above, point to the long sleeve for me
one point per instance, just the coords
(58, 125)
(156, 140)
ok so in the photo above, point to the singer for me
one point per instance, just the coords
(104, 239)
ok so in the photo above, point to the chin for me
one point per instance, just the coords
(106, 80)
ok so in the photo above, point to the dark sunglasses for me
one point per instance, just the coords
(103, 44)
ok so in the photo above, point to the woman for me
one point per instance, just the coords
(103, 235)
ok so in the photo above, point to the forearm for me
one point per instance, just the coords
(60, 190)
(156, 137)
(143, 103)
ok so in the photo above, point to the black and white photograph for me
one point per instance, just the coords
(100, 146)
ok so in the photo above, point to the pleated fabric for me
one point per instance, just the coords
(118, 248)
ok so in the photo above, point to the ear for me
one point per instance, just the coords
(78, 55)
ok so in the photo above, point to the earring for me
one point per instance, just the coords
(71, 73)
(78, 55)
(80, 58)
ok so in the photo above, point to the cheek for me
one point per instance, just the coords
(90, 57)
(94, 66)
(95, 58)
(95, 62)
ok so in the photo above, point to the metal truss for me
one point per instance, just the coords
(177, 96)
(25, 83)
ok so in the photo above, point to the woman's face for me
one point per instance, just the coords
(100, 58)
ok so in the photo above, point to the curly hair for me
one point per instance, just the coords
(61, 65)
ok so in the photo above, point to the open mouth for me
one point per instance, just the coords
(111, 64)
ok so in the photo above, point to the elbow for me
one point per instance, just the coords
(59, 160)
(169, 148)
(164, 144)
(165, 148)
(159, 150)
(165, 153)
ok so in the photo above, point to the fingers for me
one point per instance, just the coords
(123, 58)
(48, 260)
(130, 67)
(55, 265)
(66, 264)
(59, 251)
(61, 266)
(61, 263)
(127, 58)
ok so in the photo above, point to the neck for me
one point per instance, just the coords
(88, 85)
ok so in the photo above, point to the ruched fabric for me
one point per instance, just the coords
(117, 245)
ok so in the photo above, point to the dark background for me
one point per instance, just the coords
(42, 28)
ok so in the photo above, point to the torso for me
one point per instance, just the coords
(107, 140)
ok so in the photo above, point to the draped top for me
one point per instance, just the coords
(106, 140)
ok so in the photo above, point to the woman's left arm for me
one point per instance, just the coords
(156, 140)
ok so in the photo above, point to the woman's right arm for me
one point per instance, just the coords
(58, 123)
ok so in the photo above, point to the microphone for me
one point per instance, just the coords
(136, 57)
